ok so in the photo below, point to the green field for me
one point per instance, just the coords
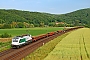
(75, 46)
(6, 44)
(32, 31)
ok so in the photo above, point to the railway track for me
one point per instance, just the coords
(18, 54)
(6, 52)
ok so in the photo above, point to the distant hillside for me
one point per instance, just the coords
(79, 17)
(8, 16)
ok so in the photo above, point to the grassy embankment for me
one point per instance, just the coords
(75, 46)
(6, 42)
(43, 51)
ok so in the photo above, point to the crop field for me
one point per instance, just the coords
(75, 46)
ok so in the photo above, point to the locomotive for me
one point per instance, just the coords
(18, 41)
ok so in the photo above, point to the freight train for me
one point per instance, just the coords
(22, 40)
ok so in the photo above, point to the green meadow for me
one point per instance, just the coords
(32, 31)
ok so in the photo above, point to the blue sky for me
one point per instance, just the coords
(48, 6)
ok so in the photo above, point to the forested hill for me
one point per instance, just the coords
(21, 18)
(79, 17)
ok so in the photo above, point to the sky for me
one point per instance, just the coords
(47, 6)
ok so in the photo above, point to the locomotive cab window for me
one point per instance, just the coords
(15, 40)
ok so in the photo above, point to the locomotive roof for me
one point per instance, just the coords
(18, 36)
(23, 35)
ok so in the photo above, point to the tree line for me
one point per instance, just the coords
(27, 25)
(16, 25)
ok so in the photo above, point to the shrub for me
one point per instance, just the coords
(5, 35)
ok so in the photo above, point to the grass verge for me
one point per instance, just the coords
(5, 46)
